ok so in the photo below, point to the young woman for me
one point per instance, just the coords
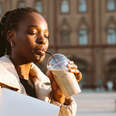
(24, 40)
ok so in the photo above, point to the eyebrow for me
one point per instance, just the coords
(33, 26)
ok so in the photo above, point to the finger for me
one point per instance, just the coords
(79, 76)
(71, 62)
(49, 74)
(72, 66)
(52, 80)
(75, 71)
(54, 85)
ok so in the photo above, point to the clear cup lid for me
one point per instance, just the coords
(57, 61)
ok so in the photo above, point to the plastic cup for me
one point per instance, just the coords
(67, 82)
(58, 62)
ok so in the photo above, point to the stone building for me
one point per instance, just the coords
(84, 30)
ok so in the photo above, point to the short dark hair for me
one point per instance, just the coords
(8, 22)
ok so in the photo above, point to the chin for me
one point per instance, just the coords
(39, 58)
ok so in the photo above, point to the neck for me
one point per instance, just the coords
(22, 66)
(18, 60)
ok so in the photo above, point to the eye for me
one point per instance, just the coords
(32, 32)
(46, 35)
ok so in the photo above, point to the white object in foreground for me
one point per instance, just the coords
(15, 104)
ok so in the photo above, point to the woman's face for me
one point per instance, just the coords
(31, 39)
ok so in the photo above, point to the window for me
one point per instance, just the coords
(65, 32)
(111, 74)
(83, 37)
(111, 5)
(21, 4)
(111, 36)
(39, 6)
(65, 37)
(64, 6)
(82, 5)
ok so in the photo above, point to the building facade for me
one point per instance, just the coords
(83, 30)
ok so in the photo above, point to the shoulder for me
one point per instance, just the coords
(8, 74)
(3, 65)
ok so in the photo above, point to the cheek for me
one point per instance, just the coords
(30, 40)
(25, 45)
(47, 44)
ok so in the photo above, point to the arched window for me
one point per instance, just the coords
(83, 37)
(21, 4)
(39, 6)
(65, 33)
(111, 36)
(65, 37)
(111, 5)
(111, 30)
(64, 6)
(82, 5)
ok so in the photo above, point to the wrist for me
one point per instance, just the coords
(60, 98)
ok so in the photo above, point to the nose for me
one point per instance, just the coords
(41, 39)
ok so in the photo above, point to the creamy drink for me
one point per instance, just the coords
(66, 80)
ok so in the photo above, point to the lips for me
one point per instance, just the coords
(41, 51)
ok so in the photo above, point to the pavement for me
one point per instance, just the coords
(96, 113)
(94, 103)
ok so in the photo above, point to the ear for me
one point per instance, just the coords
(10, 37)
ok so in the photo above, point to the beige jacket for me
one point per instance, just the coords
(10, 79)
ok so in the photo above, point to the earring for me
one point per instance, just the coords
(11, 44)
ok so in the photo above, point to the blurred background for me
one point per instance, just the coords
(85, 31)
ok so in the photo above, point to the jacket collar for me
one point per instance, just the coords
(8, 73)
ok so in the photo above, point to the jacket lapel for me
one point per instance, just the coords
(8, 75)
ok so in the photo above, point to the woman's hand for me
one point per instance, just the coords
(74, 69)
(57, 94)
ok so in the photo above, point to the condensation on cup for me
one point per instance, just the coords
(67, 82)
